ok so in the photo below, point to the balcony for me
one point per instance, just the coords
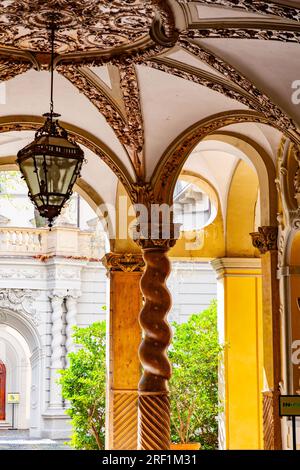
(60, 241)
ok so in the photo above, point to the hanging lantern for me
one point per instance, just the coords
(51, 163)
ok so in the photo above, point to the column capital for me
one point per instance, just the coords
(265, 239)
(74, 294)
(124, 262)
(150, 236)
(57, 294)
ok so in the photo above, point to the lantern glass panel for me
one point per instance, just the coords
(28, 170)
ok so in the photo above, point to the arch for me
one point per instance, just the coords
(205, 185)
(81, 136)
(15, 352)
(173, 159)
(24, 326)
(265, 170)
(240, 217)
(211, 236)
(82, 187)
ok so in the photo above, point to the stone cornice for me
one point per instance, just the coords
(236, 267)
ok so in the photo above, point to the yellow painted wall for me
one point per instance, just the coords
(294, 296)
(243, 361)
(241, 203)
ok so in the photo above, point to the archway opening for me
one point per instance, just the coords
(15, 356)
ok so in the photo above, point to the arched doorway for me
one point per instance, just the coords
(2, 390)
(20, 350)
(15, 353)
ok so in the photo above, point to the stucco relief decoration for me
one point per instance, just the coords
(255, 6)
(21, 301)
(87, 25)
(297, 176)
(126, 262)
(265, 239)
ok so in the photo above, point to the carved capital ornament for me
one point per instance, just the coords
(125, 262)
(265, 239)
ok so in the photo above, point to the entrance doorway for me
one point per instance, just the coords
(2, 390)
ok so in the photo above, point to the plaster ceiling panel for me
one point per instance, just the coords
(170, 105)
(103, 74)
(100, 177)
(12, 142)
(189, 59)
(102, 180)
(211, 12)
(87, 25)
(28, 94)
(265, 136)
(271, 65)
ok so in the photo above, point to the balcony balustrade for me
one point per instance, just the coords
(61, 241)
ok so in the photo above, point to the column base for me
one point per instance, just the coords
(57, 424)
(123, 420)
(271, 421)
(154, 421)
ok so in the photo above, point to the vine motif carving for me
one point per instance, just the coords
(82, 26)
(95, 96)
(130, 132)
(247, 33)
(297, 176)
(131, 98)
(261, 102)
(20, 301)
(174, 161)
(142, 193)
(255, 6)
(11, 68)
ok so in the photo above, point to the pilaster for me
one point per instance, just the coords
(124, 336)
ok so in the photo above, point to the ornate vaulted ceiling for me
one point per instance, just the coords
(82, 26)
(149, 70)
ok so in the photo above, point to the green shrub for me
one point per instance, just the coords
(194, 355)
(194, 385)
(83, 386)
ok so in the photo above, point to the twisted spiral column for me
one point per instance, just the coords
(71, 304)
(57, 348)
(154, 406)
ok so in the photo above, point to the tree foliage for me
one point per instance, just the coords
(194, 355)
(83, 386)
(194, 385)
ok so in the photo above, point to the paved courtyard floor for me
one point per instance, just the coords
(19, 440)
